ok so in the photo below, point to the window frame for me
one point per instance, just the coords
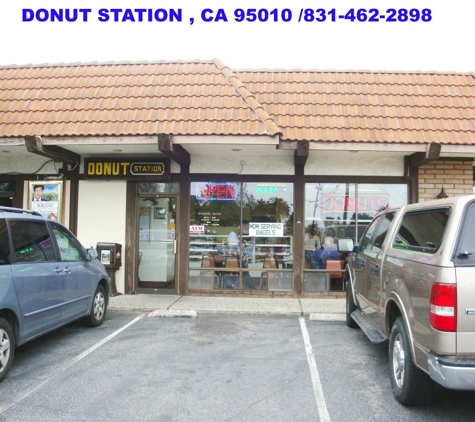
(424, 249)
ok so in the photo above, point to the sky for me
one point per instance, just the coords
(426, 35)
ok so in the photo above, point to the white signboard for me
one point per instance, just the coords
(266, 229)
(197, 229)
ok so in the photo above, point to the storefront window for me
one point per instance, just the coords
(7, 192)
(340, 210)
(241, 236)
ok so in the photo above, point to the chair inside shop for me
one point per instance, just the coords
(207, 262)
(270, 262)
(206, 275)
(337, 277)
(231, 263)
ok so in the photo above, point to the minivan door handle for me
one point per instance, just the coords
(58, 270)
(67, 270)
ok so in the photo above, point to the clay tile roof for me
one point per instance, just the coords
(367, 106)
(208, 98)
(146, 98)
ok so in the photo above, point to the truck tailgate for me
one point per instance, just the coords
(465, 310)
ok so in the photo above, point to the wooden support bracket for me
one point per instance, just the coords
(173, 151)
(34, 144)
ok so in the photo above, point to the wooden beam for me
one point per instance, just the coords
(175, 152)
(432, 153)
(34, 144)
(301, 153)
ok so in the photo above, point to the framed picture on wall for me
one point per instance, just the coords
(160, 213)
(46, 198)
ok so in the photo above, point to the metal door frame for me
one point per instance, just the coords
(151, 290)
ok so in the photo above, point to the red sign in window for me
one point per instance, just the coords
(366, 203)
(216, 191)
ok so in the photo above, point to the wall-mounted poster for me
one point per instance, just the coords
(46, 198)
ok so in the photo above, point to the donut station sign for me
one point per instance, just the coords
(124, 169)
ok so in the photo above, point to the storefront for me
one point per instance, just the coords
(228, 183)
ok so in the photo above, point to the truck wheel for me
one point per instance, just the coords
(410, 385)
(7, 348)
(98, 309)
(350, 306)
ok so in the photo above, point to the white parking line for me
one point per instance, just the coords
(317, 386)
(63, 368)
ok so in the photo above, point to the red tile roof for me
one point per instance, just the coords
(367, 106)
(187, 98)
(207, 98)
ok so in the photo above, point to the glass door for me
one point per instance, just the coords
(157, 244)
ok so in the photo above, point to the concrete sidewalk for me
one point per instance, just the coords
(174, 305)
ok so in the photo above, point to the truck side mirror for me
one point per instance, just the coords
(345, 245)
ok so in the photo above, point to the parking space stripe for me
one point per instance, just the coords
(317, 386)
(71, 363)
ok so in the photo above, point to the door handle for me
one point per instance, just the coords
(174, 247)
(361, 262)
(67, 270)
(58, 270)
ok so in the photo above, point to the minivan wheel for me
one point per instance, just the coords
(7, 347)
(98, 309)
(409, 384)
(350, 306)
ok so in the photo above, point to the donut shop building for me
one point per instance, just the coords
(208, 180)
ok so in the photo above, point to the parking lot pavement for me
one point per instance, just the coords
(212, 368)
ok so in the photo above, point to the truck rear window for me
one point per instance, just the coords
(422, 230)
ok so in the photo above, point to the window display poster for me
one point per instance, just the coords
(46, 198)
(144, 228)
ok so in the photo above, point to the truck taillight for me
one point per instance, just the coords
(443, 307)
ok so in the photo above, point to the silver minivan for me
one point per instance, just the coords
(47, 279)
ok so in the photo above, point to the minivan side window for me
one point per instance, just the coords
(69, 248)
(31, 241)
(422, 230)
(4, 243)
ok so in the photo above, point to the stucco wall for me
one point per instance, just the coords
(344, 163)
(101, 216)
(272, 165)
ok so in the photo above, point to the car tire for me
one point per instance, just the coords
(98, 309)
(7, 348)
(350, 305)
(410, 385)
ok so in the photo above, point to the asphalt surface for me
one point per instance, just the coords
(216, 367)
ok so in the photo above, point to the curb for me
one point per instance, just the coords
(169, 313)
(182, 313)
(327, 317)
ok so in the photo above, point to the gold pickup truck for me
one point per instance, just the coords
(411, 283)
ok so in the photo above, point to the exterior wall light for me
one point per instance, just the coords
(442, 194)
